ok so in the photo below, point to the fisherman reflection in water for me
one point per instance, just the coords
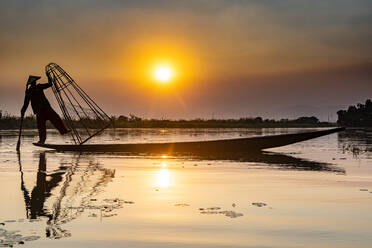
(63, 193)
(41, 107)
(41, 191)
(35, 201)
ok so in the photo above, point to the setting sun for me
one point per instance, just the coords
(163, 73)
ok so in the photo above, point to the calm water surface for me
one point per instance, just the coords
(316, 193)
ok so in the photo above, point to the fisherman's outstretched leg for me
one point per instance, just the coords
(41, 127)
(57, 122)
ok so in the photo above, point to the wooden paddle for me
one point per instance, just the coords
(20, 126)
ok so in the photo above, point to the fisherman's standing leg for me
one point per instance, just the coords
(57, 121)
(41, 120)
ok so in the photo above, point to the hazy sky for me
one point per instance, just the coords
(231, 58)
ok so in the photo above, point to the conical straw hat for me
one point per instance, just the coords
(32, 78)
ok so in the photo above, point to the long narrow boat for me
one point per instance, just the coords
(252, 144)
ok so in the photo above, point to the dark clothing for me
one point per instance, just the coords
(49, 114)
(38, 100)
(42, 109)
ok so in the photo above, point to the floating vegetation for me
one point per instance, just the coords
(105, 209)
(214, 210)
(181, 205)
(108, 215)
(259, 204)
(31, 238)
(11, 238)
(232, 214)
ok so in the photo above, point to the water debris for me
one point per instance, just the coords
(363, 189)
(233, 205)
(195, 164)
(31, 238)
(93, 199)
(114, 200)
(214, 208)
(181, 205)
(108, 215)
(108, 206)
(232, 214)
(209, 212)
(11, 238)
(10, 221)
(227, 213)
(259, 204)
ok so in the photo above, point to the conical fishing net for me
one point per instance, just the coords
(81, 114)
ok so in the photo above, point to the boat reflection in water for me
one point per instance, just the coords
(70, 190)
(270, 159)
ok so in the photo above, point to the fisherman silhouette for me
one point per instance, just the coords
(41, 107)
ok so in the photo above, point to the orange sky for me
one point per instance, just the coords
(231, 58)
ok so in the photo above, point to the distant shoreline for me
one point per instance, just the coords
(13, 122)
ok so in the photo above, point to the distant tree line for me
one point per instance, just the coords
(12, 122)
(356, 116)
(8, 121)
(135, 121)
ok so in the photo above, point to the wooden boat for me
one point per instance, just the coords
(251, 144)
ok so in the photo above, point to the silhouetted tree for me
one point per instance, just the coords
(360, 115)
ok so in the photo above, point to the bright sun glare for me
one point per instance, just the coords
(163, 73)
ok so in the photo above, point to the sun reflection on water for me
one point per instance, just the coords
(163, 176)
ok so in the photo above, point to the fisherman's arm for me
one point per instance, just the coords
(47, 85)
(26, 102)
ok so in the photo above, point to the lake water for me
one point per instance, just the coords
(316, 193)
